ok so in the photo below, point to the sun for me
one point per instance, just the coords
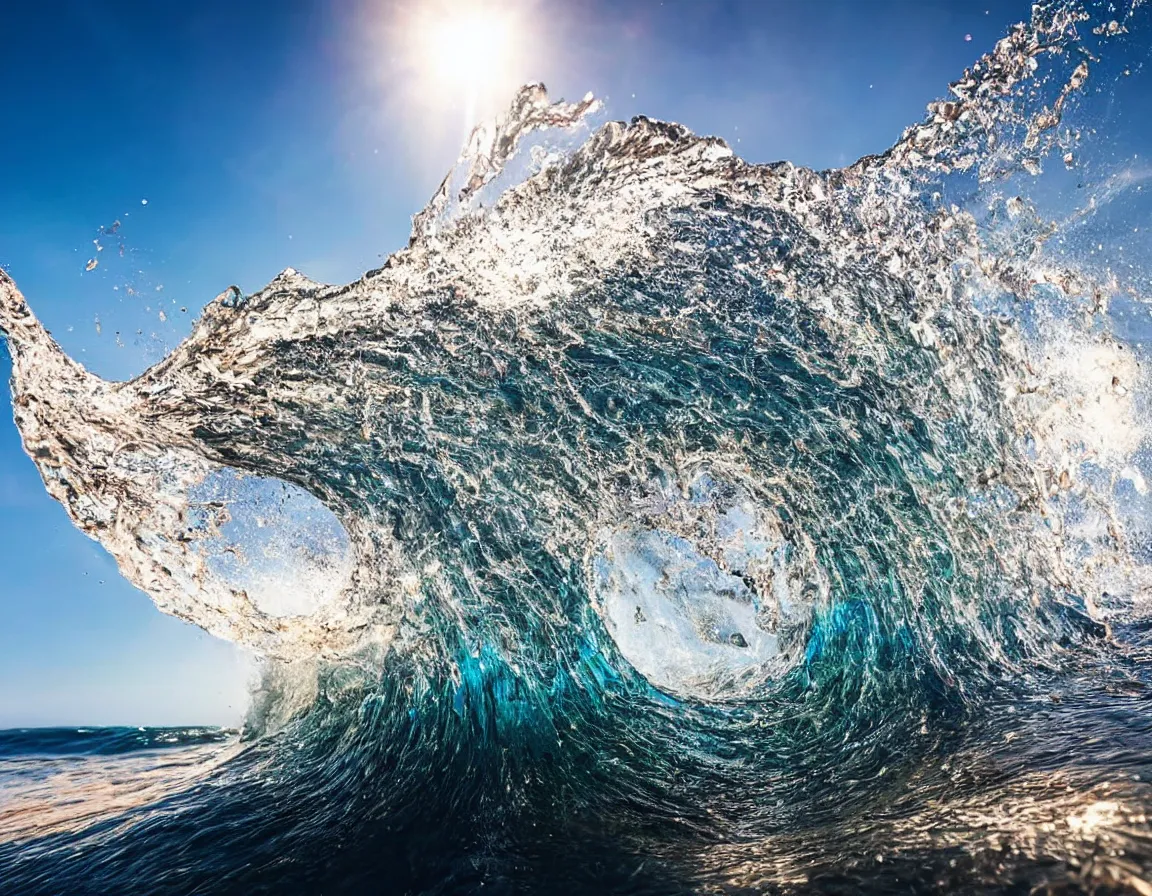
(469, 49)
(439, 68)
(470, 52)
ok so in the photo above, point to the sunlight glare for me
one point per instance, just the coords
(468, 51)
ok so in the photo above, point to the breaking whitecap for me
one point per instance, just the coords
(580, 316)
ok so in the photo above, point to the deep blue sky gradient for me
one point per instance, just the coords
(272, 134)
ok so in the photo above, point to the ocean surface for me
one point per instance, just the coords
(654, 523)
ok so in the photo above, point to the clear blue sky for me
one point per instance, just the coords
(272, 134)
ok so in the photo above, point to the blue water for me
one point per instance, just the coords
(659, 524)
(20, 743)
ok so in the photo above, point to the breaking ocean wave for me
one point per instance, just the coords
(656, 522)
